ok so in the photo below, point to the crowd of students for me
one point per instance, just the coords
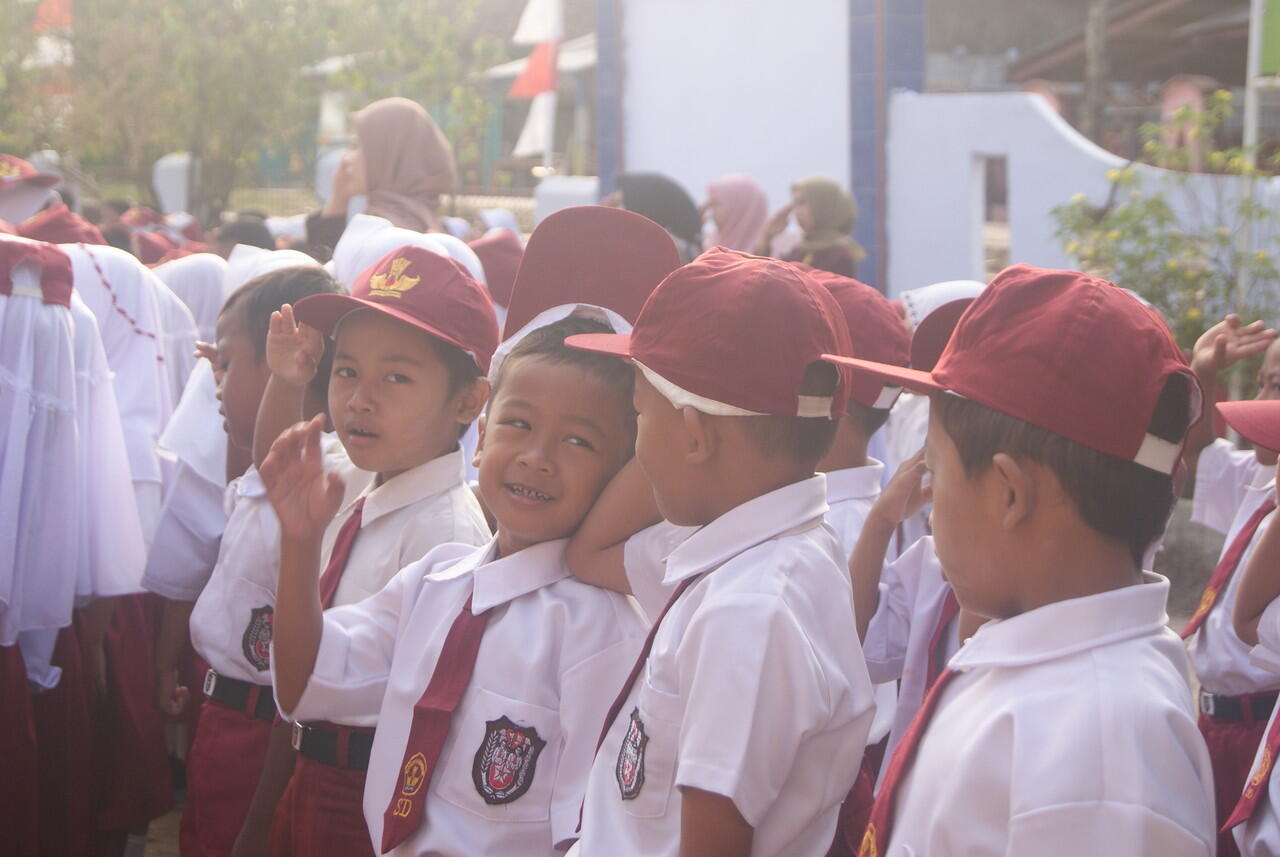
(586, 545)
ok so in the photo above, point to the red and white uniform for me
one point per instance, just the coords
(1260, 835)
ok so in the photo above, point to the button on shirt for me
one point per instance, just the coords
(1260, 835)
(1220, 658)
(554, 655)
(755, 689)
(912, 593)
(1068, 731)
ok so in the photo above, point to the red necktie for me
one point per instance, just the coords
(339, 555)
(1227, 566)
(1257, 784)
(950, 608)
(876, 838)
(432, 716)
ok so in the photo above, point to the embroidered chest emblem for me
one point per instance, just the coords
(256, 641)
(506, 761)
(630, 767)
(394, 283)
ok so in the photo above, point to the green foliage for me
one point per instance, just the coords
(1175, 237)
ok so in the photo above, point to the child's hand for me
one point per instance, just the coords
(778, 222)
(305, 497)
(209, 351)
(906, 493)
(171, 697)
(293, 350)
(1227, 343)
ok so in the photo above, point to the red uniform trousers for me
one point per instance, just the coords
(855, 812)
(321, 813)
(223, 767)
(1232, 746)
(19, 796)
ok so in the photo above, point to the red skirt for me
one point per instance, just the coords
(321, 813)
(19, 795)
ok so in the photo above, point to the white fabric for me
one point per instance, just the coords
(554, 653)
(403, 519)
(246, 263)
(918, 303)
(755, 688)
(199, 280)
(912, 592)
(1260, 836)
(179, 339)
(39, 453)
(499, 218)
(24, 200)
(195, 432)
(187, 537)
(1221, 658)
(1069, 731)
(807, 406)
(1224, 476)
(367, 239)
(551, 316)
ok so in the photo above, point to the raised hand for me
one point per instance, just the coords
(304, 495)
(293, 349)
(1227, 343)
(906, 493)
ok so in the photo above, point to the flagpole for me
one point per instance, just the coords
(1253, 71)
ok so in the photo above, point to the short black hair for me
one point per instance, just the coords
(803, 439)
(263, 295)
(463, 369)
(119, 236)
(118, 205)
(1119, 499)
(867, 419)
(548, 343)
(247, 230)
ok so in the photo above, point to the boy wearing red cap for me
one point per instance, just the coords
(485, 666)
(724, 737)
(411, 346)
(1235, 495)
(1064, 725)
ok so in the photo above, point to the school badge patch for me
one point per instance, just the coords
(256, 641)
(630, 768)
(506, 761)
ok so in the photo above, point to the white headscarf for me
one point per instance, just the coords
(198, 280)
(246, 263)
(367, 239)
(918, 303)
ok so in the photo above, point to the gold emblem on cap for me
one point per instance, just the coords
(8, 169)
(394, 283)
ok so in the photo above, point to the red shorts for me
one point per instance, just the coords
(1232, 746)
(855, 812)
(223, 767)
(19, 799)
(321, 813)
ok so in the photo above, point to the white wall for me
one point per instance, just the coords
(712, 87)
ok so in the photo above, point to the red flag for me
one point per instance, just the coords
(539, 73)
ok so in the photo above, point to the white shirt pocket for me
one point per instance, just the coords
(645, 769)
(502, 765)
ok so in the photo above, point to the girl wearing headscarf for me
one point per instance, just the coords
(400, 161)
(826, 213)
(739, 208)
(665, 203)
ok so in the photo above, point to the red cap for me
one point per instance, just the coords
(590, 254)
(55, 269)
(429, 291)
(876, 331)
(934, 332)
(15, 171)
(152, 246)
(500, 252)
(140, 216)
(58, 224)
(1064, 351)
(1257, 421)
(733, 334)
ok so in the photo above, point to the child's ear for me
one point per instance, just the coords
(470, 400)
(701, 439)
(480, 423)
(1015, 487)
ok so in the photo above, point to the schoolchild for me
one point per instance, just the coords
(725, 737)
(1064, 725)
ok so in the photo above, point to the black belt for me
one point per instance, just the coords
(256, 700)
(1250, 706)
(330, 744)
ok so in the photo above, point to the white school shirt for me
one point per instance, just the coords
(912, 592)
(1220, 658)
(754, 689)
(554, 654)
(1224, 475)
(851, 493)
(1260, 835)
(1069, 731)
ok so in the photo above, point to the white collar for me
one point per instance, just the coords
(417, 483)
(798, 506)
(502, 579)
(855, 483)
(1069, 627)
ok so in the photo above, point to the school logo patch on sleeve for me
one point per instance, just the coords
(630, 768)
(256, 641)
(506, 761)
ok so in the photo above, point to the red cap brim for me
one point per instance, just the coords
(911, 379)
(617, 344)
(323, 312)
(1257, 421)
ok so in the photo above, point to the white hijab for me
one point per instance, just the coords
(367, 239)
(198, 280)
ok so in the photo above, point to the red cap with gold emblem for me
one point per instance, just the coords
(414, 285)
(15, 171)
